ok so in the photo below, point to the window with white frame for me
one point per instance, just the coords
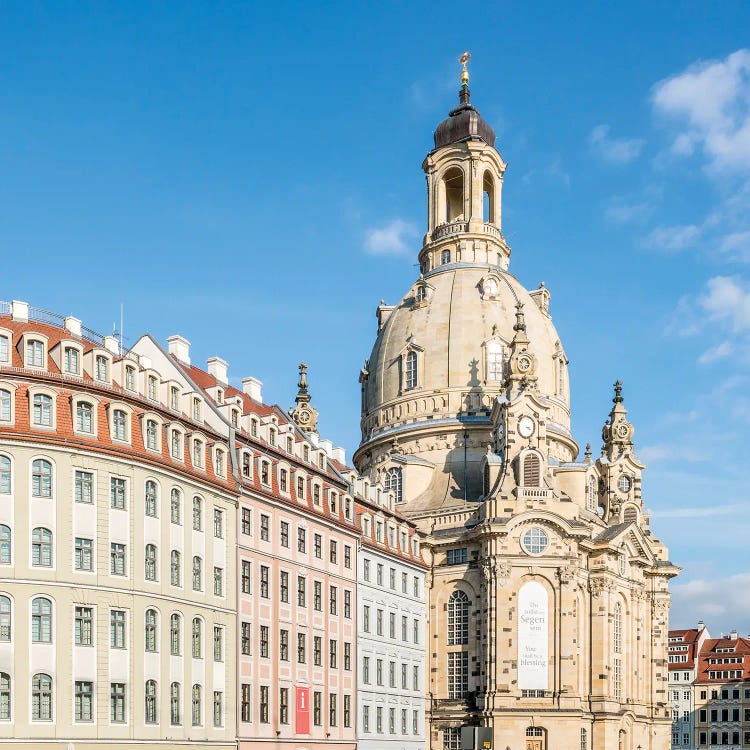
(130, 377)
(41, 478)
(101, 368)
(83, 626)
(4, 349)
(175, 506)
(394, 482)
(197, 513)
(6, 405)
(494, 362)
(197, 573)
(41, 697)
(458, 675)
(5, 619)
(151, 498)
(219, 462)
(120, 425)
(117, 559)
(84, 554)
(175, 562)
(117, 493)
(150, 634)
(84, 417)
(152, 388)
(71, 360)
(6, 475)
(152, 435)
(34, 353)
(150, 563)
(42, 410)
(5, 545)
(176, 445)
(41, 620)
(410, 370)
(198, 453)
(458, 619)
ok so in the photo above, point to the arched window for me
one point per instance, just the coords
(591, 494)
(197, 574)
(41, 478)
(174, 634)
(197, 638)
(174, 568)
(410, 374)
(5, 410)
(41, 620)
(394, 482)
(150, 707)
(453, 194)
(617, 629)
(445, 257)
(41, 547)
(621, 740)
(84, 417)
(196, 702)
(176, 445)
(150, 630)
(488, 199)
(119, 425)
(5, 545)
(175, 506)
(174, 704)
(4, 696)
(531, 470)
(41, 697)
(5, 475)
(5, 619)
(458, 619)
(630, 514)
(197, 513)
(150, 563)
(42, 410)
(151, 494)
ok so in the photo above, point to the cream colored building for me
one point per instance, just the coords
(547, 590)
(117, 575)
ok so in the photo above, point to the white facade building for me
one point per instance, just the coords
(391, 634)
(683, 648)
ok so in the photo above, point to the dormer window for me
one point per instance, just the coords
(300, 488)
(197, 409)
(84, 417)
(421, 295)
(283, 480)
(348, 509)
(321, 461)
(4, 349)
(130, 378)
(152, 435)
(272, 437)
(175, 445)
(306, 453)
(410, 376)
(379, 531)
(366, 525)
(254, 427)
(265, 473)
(152, 388)
(119, 425)
(101, 368)
(174, 398)
(316, 494)
(34, 353)
(246, 470)
(290, 444)
(198, 453)
(220, 397)
(219, 463)
(72, 360)
(42, 410)
(235, 418)
(333, 503)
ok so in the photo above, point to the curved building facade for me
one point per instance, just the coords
(547, 591)
(117, 515)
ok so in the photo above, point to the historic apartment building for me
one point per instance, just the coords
(683, 649)
(117, 520)
(722, 693)
(547, 590)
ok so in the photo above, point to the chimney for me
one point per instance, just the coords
(20, 311)
(701, 625)
(218, 368)
(73, 325)
(733, 635)
(112, 345)
(327, 446)
(253, 386)
(179, 347)
(339, 454)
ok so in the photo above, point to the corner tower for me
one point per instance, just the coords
(547, 590)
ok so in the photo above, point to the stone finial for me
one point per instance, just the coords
(520, 324)
(618, 399)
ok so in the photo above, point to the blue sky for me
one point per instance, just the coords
(248, 175)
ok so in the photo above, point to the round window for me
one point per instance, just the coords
(535, 541)
(624, 483)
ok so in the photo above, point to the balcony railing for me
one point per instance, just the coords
(493, 230)
(452, 227)
(534, 493)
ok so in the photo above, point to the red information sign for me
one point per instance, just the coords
(302, 712)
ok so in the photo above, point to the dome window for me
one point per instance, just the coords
(394, 482)
(410, 377)
(445, 257)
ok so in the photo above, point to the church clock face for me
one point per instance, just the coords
(524, 364)
(304, 416)
(622, 430)
(525, 426)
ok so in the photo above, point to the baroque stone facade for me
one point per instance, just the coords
(547, 591)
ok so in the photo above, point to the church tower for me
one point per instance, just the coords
(547, 590)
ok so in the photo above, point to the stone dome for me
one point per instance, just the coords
(467, 311)
(464, 122)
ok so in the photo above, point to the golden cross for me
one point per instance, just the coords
(464, 59)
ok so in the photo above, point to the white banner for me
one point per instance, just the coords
(533, 637)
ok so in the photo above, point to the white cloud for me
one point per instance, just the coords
(710, 102)
(673, 239)
(715, 353)
(722, 602)
(736, 245)
(621, 212)
(391, 239)
(615, 150)
(727, 299)
(665, 452)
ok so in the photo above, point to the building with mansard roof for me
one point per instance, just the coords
(547, 590)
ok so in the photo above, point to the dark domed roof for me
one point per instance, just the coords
(464, 123)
